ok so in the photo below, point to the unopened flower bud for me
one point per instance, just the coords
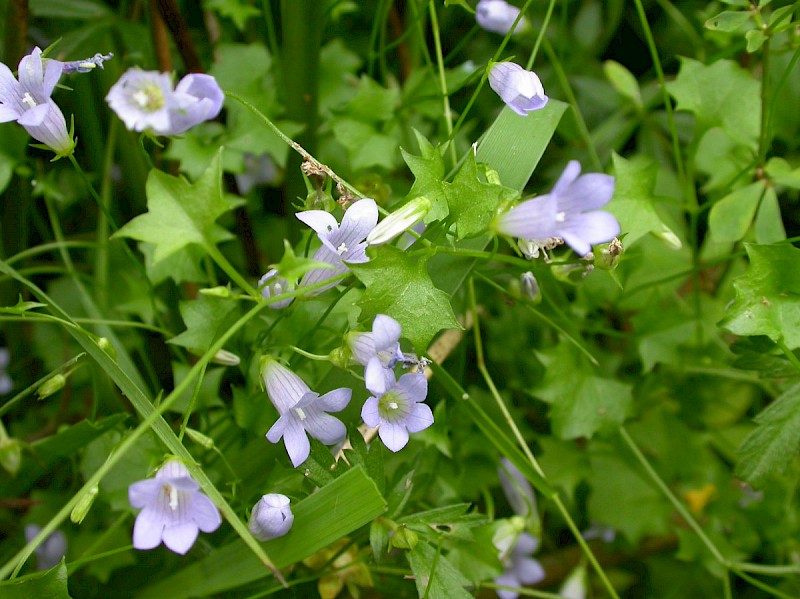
(51, 385)
(84, 505)
(225, 358)
(220, 291)
(529, 287)
(340, 357)
(607, 256)
(202, 440)
(404, 538)
(104, 344)
(399, 221)
(668, 237)
(10, 455)
(271, 517)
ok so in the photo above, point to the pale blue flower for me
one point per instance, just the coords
(271, 517)
(174, 510)
(519, 567)
(28, 101)
(301, 411)
(340, 244)
(271, 284)
(498, 16)
(521, 90)
(378, 351)
(6, 385)
(569, 212)
(51, 550)
(87, 64)
(145, 101)
(396, 409)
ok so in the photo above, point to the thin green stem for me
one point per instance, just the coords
(193, 403)
(67, 366)
(789, 354)
(272, 38)
(101, 255)
(681, 509)
(524, 592)
(563, 81)
(48, 247)
(309, 355)
(764, 137)
(217, 256)
(766, 569)
(448, 115)
(545, 24)
(763, 586)
(726, 586)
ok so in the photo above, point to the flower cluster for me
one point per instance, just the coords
(146, 101)
(569, 213)
(174, 510)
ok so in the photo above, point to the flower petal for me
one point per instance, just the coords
(324, 427)
(394, 436)
(7, 113)
(323, 223)
(589, 192)
(283, 386)
(277, 430)
(204, 513)
(336, 400)
(377, 379)
(147, 529)
(415, 385)
(181, 537)
(296, 442)
(532, 219)
(386, 332)
(568, 176)
(369, 412)
(143, 492)
(10, 90)
(363, 347)
(31, 74)
(34, 116)
(581, 231)
(528, 570)
(420, 418)
(359, 219)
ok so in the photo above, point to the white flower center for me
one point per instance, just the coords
(300, 413)
(28, 99)
(149, 98)
(393, 405)
(341, 249)
(561, 216)
(173, 496)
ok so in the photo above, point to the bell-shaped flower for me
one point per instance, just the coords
(51, 550)
(340, 243)
(28, 101)
(301, 411)
(397, 409)
(378, 351)
(174, 509)
(271, 517)
(521, 90)
(569, 211)
(271, 285)
(498, 16)
(519, 567)
(145, 101)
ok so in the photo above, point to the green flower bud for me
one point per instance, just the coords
(225, 358)
(607, 256)
(106, 346)
(669, 238)
(10, 455)
(202, 440)
(404, 538)
(223, 292)
(51, 385)
(84, 505)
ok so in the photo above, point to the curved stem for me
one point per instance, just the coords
(448, 115)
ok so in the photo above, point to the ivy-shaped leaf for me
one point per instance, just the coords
(181, 214)
(768, 295)
(775, 442)
(50, 584)
(206, 318)
(473, 202)
(428, 170)
(399, 286)
(581, 402)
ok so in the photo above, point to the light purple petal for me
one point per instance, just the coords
(199, 98)
(204, 513)
(147, 529)
(296, 442)
(528, 570)
(420, 418)
(532, 219)
(521, 90)
(324, 427)
(283, 386)
(52, 132)
(590, 192)
(34, 116)
(143, 492)
(52, 73)
(394, 436)
(517, 490)
(377, 379)
(5, 355)
(318, 275)
(581, 231)
(497, 16)
(336, 400)
(568, 176)
(363, 347)
(181, 537)
(415, 385)
(173, 469)
(6, 384)
(276, 431)
(359, 219)
(526, 544)
(323, 223)
(369, 413)
(31, 75)
(386, 332)
(507, 579)
(271, 517)
(10, 90)
(8, 113)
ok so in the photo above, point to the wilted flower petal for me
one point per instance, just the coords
(498, 16)
(521, 90)
(271, 517)
(174, 509)
(569, 212)
(87, 64)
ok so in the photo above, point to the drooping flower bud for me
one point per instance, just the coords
(225, 358)
(399, 221)
(530, 287)
(521, 90)
(271, 517)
